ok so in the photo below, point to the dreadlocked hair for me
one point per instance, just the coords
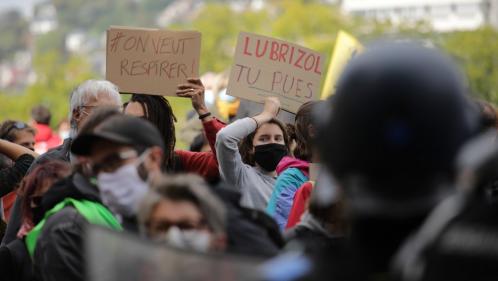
(158, 111)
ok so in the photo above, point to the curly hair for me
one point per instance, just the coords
(246, 146)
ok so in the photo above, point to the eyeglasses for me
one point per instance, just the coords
(16, 125)
(162, 225)
(113, 161)
(84, 107)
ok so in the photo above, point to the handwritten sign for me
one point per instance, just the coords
(151, 61)
(265, 66)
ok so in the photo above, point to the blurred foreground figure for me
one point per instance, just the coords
(121, 154)
(14, 257)
(400, 116)
(458, 240)
(182, 211)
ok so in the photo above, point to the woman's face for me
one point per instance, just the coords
(268, 133)
(26, 139)
(134, 108)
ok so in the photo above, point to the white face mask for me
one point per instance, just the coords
(188, 239)
(122, 190)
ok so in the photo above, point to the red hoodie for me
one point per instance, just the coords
(45, 138)
(291, 162)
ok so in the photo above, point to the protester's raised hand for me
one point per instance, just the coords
(270, 111)
(272, 106)
(195, 90)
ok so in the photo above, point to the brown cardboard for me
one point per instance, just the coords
(265, 66)
(151, 61)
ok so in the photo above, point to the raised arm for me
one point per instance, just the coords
(12, 176)
(14, 151)
(194, 90)
(227, 141)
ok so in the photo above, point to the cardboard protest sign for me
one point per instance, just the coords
(114, 256)
(265, 66)
(346, 47)
(151, 61)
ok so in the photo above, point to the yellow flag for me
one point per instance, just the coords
(346, 47)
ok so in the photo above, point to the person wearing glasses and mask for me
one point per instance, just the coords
(182, 211)
(124, 153)
(84, 99)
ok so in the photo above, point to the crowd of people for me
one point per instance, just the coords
(406, 186)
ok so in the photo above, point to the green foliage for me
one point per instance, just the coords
(13, 31)
(97, 16)
(307, 22)
(477, 53)
(55, 82)
(219, 26)
(50, 42)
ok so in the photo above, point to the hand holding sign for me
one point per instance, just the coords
(194, 89)
(151, 61)
(266, 66)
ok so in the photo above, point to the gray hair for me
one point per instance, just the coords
(88, 90)
(168, 187)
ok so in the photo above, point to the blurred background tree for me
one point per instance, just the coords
(14, 32)
(308, 22)
(55, 81)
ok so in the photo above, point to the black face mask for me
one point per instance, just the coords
(267, 156)
(38, 214)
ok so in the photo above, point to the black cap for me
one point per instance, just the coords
(120, 129)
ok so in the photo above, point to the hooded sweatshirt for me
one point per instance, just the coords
(63, 235)
(254, 184)
(45, 139)
(292, 173)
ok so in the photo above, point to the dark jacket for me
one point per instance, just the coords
(312, 242)
(12, 176)
(15, 262)
(62, 153)
(59, 248)
(250, 232)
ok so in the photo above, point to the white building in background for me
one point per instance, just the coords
(443, 15)
(44, 18)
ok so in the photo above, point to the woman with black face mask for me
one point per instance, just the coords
(14, 257)
(251, 168)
